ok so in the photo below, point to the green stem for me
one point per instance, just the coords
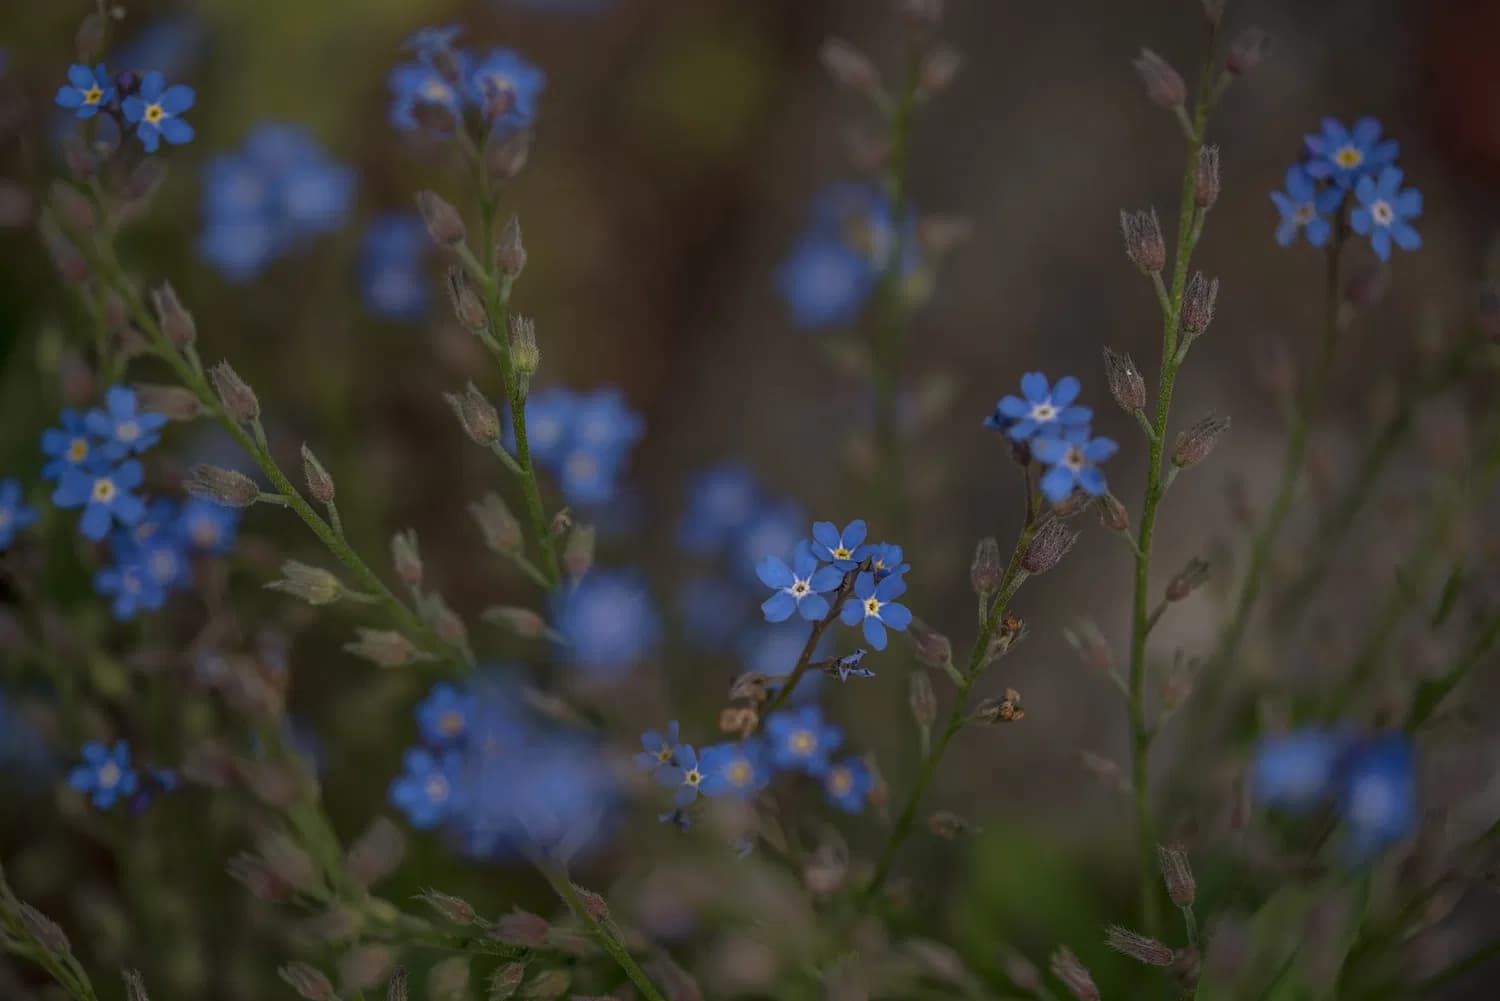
(1430, 694)
(564, 888)
(804, 662)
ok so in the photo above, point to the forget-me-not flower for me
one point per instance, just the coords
(155, 112)
(1385, 211)
(874, 603)
(799, 587)
(1305, 208)
(1042, 409)
(86, 91)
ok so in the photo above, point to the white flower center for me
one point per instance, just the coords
(1382, 213)
(1043, 412)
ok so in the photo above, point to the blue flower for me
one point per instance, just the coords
(123, 429)
(426, 789)
(154, 111)
(208, 527)
(1297, 770)
(734, 769)
(721, 502)
(658, 750)
(105, 497)
(549, 424)
(15, 516)
(1304, 206)
(162, 555)
(772, 648)
(848, 784)
(1345, 155)
(875, 605)
(824, 283)
(587, 477)
(69, 446)
(603, 422)
(684, 775)
(506, 87)
(86, 91)
(414, 85)
(443, 717)
(608, 623)
(886, 559)
(800, 739)
(132, 588)
(105, 775)
(429, 42)
(848, 666)
(1379, 796)
(799, 588)
(1041, 410)
(1384, 212)
(776, 529)
(844, 549)
(391, 267)
(1075, 464)
(710, 611)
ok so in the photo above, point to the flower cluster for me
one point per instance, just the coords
(606, 623)
(584, 440)
(107, 776)
(267, 198)
(1369, 780)
(144, 103)
(153, 557)
(1349, 169)
(1056, 432)
(433, 93)
(391, 260)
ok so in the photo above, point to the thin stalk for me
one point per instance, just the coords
(1430, 694)
(607, 941)
(804, 661)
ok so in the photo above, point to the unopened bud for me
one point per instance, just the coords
(934, 650)
(172, 402)
(1048, 547)
(922, 699)
(1206, 183)
(397, 990)
(477, 415)
(1247, 50)
(222, 486)
(596, 905)
(521, 928)
(74, 210)
(1067, 968)
(319, 483)
(145, 177)
(1089, 644)
(1126, 384)
(501, 530)
(376, 853)
(308, 981)
(507, 980)
(578, 552)
(455, 910)
(1164, 85)
(524, 354)
(939, 68)
(985, 571)
(467, 306)
(1177, 874)
(135, 986)
(176, 322)
(238, 399)
(313, 585)
(849, 67)
(44, 930)
(1143, 240)
(1006, 710)
(445, 622)
(523, 622)
(505, 156)
(406, 557)
(1198, 303)
(1187, 580)
(1138, 947)
(510, 252)
(1112, 513)
(947, 825)
(444, 225)
(382, 647)
(1195, 444)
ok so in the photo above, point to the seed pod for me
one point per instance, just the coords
(1067, 968)
(1206, 183)
(406, 557)
(985, 571)
(1112, 514)
(849, 67)
(1187, 580)
(455, 910)
(382, 647)
(466, 303)
(510, 252)
(308, 981)
(313, 585)
(1177, 874)
(176, 322)
(578, 551)
(1198, 303)
(505, 156)
(501, 529)
(477, 415)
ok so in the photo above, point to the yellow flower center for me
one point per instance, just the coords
(128, 431)
(436, 91)
(1304, 213)
(740, 773)
(78, 450)
(1382, 213)
(664, 754)
(451, 723)
(1074, 459)
(693, 777)
(93, 95)
(1044, 412)
(155, 113)
(799, 588)
(109, 775)
(803, 741)
(872, 606)
(841, 553)
(840, 781)
(1348, 158)
(104, 490)
(436, 787)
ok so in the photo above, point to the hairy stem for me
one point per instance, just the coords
(607, 941)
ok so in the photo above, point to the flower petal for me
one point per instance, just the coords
(896, 615)
(779, 606)
(1034, 387)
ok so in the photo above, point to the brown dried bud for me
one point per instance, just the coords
(1138, 947)
(1112, 513)
(739, 720)
(1206, 184)
(524, 354)
(939, 68)
(1143, 241)
(1194, 444)
(510, 252)
(319, 483)
(1187, 580)
(596, 905)
(1247, 51)
(467, 306)
(1198, 303)
(922, 699)
(849, 67)
(1126, 384)
(455, 910)
(985, 571)
(376, 853)
(1090, 645)
(750, 685)
(1048, 547)
(501, 530)
(947, 825)
(444, 225)
(308, 981)
(1067, 968)
(477, 415)
(1164, 85)
(521, 928)
(578, 551)
(222, 486)
(505, 156)
(172, 402)
(176, 322)
(74, 210)
(239, 400)
(406, 557)
(313, 585)
(382, 647)
(1177, 874)
(1006, 710)
(523, 622)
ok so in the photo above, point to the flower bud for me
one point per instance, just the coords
(524, 354)
(1177, 874)
(444, 225)
(1247, 50)
(1164, 85)
(382, 647)
(934, 650)
(319, 483)
(1126, 384)
(445, 621)
(510, 252)
(407, 558)
(501, 530)
(1048, 547)
(222, 486)
(238, 399)
(308, 981)
(849, 67)
(74, 210)
(1067, 968)
(1198, 303)
(454, 910)
(1112, 513)
(313, 585)
(1206, 184)
(172, 402)
(939, 67)
(597, 906)
(507, 980)
(480, 420)
(376, 853)
(523, 622)
(505, 156)
(44, 930)
(521, 928)
(1187, 580)
(467, 306)
(1143, 241)
(366, 966)
(70, 264)
(922, 699)
(176, 322)
(1138, 946)
(1194, 444)
(578, 552)
(985, 571)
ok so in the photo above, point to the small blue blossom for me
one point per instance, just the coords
(15, 516)
(123, 428)
(506, 87)
(1384, 212)
(105, 497)
(776, 529)
(1075, 464)
(430, 42)
(69, 446)
(1379, 796)
(154, 110)
(414, 85)
(443, 717)
(584, 439)
(848, 783)
(1297, 770)
(603, 422)
(1042, 409)
(734, 769)
(426, 789)
(208, 527)
(608, 623)
(886, 559)
(721, 502)
(391, 267)
(875, 605)
(800, 739)
(1345, 155)
(86, 91)
(1305, 207)
(105, 775)
(824, 283)
(799, 588)
(684, 775)
(848, 666)
(844, 549)
(132, 589)
(658, 750)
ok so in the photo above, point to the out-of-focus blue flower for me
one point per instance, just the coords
(799, 588)
(710, 611)
(391, 262)
(1379, 797)
(154, 110)
(86, 91)
(875, 605)
(658, 750)
(1385, 212)
(1042, 409)
(589, 478)
(15, 516)
(506, 87)
(603, 422)
(430, 42)
(105, 497)
(549, 424)
(122, 427)
(800, 739)
(414, 85)
(426, 790)
(844, 549)
(824, 283)
(69, 447)
(683, 775)
(776, 529)
(772, 649)
(170, 45)
(721, 501)
(208, 527)
(847, 783)
(105, 775)
(886, 559)
(1345, 155)
(607, 622)
(1297, 770)
(1074, 463)
(133, 590)
(443, 717)
(734, 769)
(1305, 207)
(583, 439)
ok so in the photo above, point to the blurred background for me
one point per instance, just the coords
(678, 147)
